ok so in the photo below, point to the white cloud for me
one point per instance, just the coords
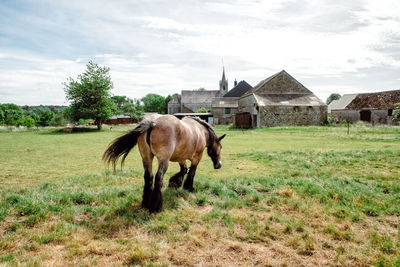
(155, 47)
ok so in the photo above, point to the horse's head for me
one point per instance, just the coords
(214, 151)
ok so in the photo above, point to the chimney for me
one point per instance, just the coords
(235, 83)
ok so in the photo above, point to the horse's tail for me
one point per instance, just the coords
(123, 144)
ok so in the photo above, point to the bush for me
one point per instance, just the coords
(201, 110)
(26, 121)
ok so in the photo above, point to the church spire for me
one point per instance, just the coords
(223, 84)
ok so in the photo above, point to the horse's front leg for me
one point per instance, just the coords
(176, 180)
(156, 198)
(188, 185)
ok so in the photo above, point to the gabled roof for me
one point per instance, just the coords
(342, 102)
(281, 89)
(240, 89)
(268, 86)
(378, 100)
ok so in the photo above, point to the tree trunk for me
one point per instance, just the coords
(98, 123)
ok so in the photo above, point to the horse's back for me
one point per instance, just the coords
(175, 139)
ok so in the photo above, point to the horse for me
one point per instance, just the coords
(168, 139)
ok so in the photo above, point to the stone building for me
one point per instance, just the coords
(174, 105)
(191, 100)
(282, 100)
(224, 107)
(376, 108)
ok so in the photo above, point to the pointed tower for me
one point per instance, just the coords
(223, 84)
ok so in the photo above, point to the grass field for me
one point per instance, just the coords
(288, 196)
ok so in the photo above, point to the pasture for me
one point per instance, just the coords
(285, 196)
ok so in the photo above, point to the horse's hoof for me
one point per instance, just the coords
(155, 209)
(190, 189)
(145, 205)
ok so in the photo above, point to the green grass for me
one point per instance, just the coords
(309, 190)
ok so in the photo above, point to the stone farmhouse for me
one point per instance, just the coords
(277, 100)
(376, 108)
(282, 100)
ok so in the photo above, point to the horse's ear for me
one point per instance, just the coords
(221, 137)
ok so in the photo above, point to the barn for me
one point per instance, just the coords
(376, 108)
(282, 100)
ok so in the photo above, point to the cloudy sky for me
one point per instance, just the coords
(162, 47)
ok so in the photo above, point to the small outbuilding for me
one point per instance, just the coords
(120, 119)
(282, 100)
(376, 108)
(224, 107)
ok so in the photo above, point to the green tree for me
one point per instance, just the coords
(2, 116)
(45, 117)
(60, 118)
(25, 121)
(11, 113)
(334, 96)
(154, 103)
(90, 95)
(126, 105)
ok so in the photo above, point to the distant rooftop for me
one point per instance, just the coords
(240, 89)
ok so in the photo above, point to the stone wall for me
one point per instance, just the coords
(378, 116)
(174, 108)
(220, 117)
(291, 115)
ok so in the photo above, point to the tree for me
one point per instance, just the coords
(126, 105)
(334, 96)
(2, 116)
(90, 94)
(154, 103)
(11, 113)
(45, 117)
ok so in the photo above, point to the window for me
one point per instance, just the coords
(227, 110)
(390, 112)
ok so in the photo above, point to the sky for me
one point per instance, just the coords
(163, 47)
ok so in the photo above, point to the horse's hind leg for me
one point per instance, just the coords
(156, 198)
(148, 183)
(147, 158)
(176, 180)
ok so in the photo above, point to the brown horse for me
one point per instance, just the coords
(168, 139)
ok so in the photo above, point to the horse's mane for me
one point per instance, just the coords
(213, 135)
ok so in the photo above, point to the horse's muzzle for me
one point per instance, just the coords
(218, 165)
